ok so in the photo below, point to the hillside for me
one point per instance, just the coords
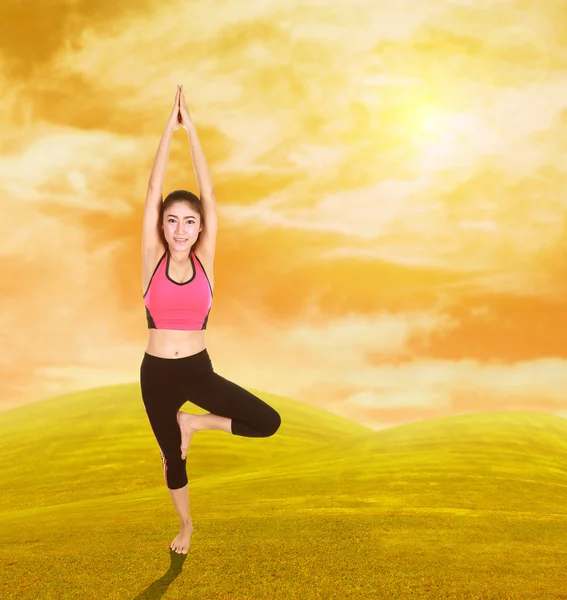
(471, 506)
(98, 442)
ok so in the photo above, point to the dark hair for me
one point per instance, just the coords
(179, 196)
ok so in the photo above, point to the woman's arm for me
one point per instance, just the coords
(159, 167)
(200, 166)
(151, 239)
(208, 236)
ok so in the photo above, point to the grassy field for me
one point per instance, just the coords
(472, 506)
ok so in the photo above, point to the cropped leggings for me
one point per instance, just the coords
(167, 383)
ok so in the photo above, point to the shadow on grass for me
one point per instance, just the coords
(158, 588)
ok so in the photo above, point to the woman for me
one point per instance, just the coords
(178, 241)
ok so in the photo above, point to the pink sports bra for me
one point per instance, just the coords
(173, 305)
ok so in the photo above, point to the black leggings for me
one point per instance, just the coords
(167, 383)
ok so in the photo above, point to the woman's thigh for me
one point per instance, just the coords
(251, 416)
(162, 395)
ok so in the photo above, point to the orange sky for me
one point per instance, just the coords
(391, 185)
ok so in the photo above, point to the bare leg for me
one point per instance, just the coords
(180, 499)
(190, 423)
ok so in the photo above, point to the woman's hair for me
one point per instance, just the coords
(180, 196)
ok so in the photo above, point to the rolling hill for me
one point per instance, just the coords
(470, 506)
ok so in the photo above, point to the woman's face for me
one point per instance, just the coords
(181, 226)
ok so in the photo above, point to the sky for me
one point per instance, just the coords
(391, 185)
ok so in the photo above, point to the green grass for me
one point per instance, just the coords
(472, 506)
(99, 442)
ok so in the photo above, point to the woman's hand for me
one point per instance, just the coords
(174, 120)
(186, 120)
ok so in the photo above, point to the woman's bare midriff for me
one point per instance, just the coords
(168, 343)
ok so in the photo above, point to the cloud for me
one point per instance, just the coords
(34, 36)
(66, 164)
(329, 366)
(355, 336)
(412, 391)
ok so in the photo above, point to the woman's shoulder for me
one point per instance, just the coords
(206, 263)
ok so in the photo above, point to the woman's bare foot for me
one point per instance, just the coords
(188, 427)
(182, 540)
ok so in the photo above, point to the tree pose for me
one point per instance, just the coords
(178, 248)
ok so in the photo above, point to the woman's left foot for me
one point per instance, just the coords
(186, 422)
(182, 540)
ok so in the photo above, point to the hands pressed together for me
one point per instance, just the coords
(180, 115)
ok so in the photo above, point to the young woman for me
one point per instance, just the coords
(178, 248)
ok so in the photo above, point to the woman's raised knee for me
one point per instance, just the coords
(273, 422)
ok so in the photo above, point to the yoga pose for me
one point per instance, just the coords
(178, 248)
